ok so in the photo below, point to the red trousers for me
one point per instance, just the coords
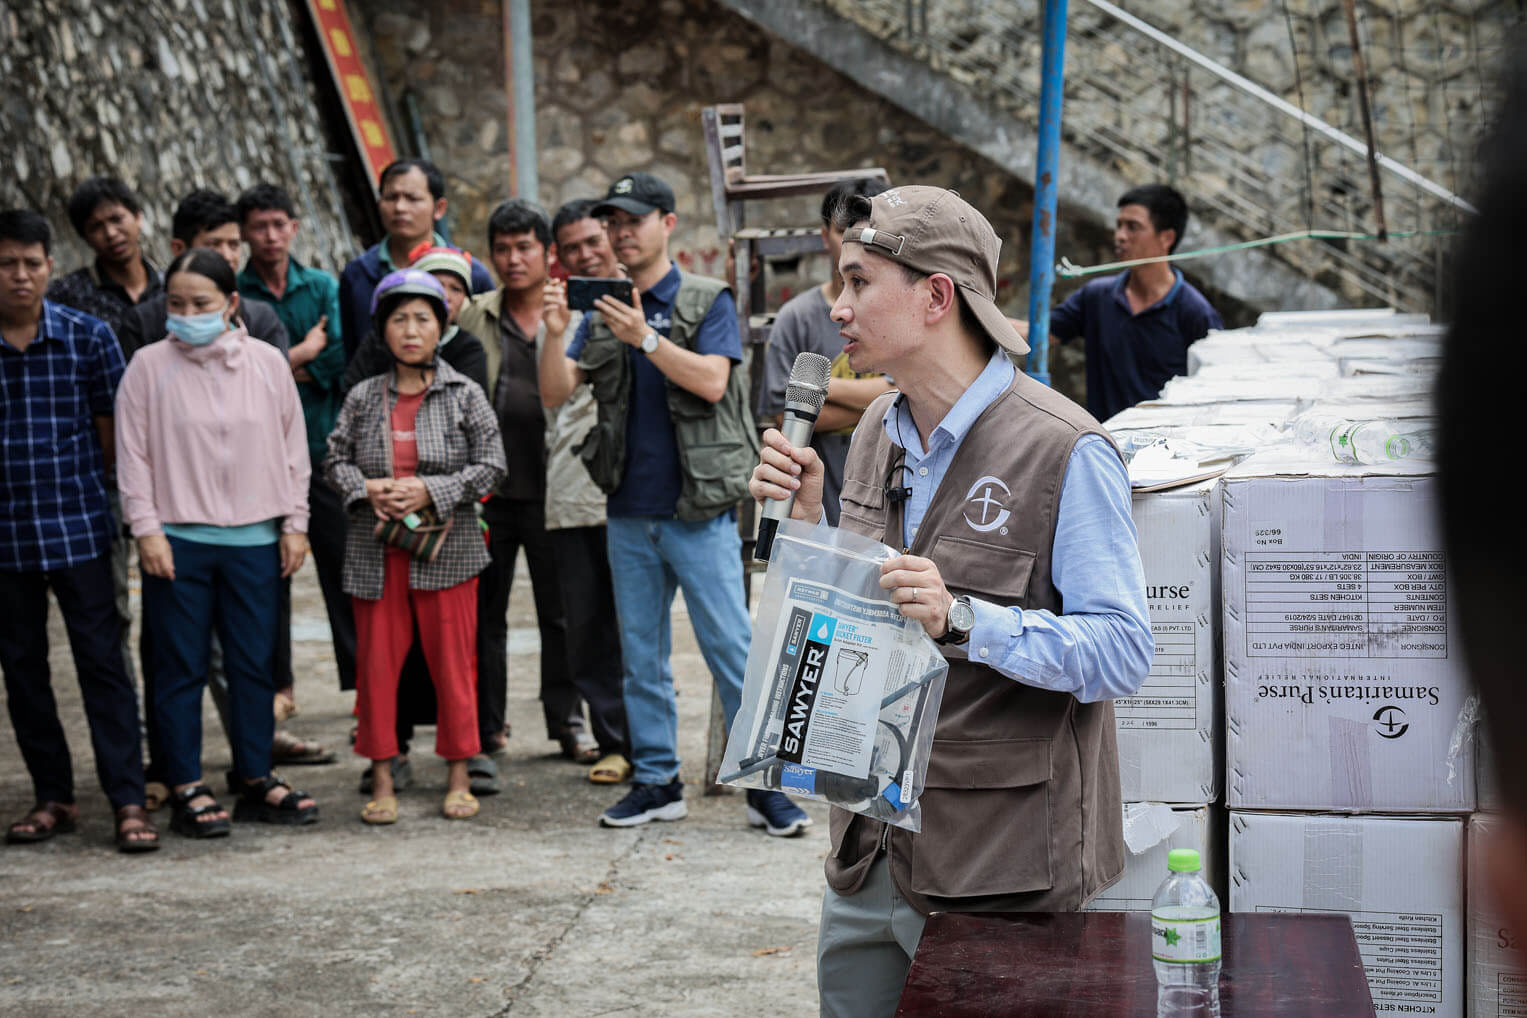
(384, 630)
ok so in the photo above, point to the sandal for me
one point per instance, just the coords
(134, 820)
(579, 746)
(253, 804)
(287, 749)
(460, 805)
(156, 796)
(187, 819)
(611, 769)
(381, 811)
(45, 820)
(484, 774)
(402, 776)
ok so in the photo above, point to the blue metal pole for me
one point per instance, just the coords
(1052, 91)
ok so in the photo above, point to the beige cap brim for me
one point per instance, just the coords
(995, 322)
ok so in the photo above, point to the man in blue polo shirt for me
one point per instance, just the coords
(412, 201)
(1137, 325)
(673, 447)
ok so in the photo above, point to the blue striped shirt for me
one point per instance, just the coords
(53, 508)
(1101, 647)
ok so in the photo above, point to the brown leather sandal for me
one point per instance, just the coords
(134, 820)
(45, 820)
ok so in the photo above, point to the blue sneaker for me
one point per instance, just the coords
(775, 813)
(647, 802)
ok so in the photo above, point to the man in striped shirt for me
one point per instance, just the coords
(59, 370)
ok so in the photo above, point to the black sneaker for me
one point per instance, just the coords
(647, 802)
(775, 813)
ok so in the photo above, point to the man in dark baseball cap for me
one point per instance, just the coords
(1012, 509)
(638, 194)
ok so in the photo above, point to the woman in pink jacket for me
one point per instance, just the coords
(212, 465)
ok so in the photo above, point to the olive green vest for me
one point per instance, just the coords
(718, 442)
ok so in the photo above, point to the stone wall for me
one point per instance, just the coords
(619, 87)
(169, 95)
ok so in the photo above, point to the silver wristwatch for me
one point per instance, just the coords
(649, 343)
(959, 622)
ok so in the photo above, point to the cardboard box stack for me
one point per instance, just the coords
(1348, 753)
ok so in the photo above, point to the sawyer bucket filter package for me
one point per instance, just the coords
(841, 693)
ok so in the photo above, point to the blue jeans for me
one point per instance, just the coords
(650, 558)
(234, 592)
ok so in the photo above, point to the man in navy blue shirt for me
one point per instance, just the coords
(59, 370)
(673, 447)
(1137, 325)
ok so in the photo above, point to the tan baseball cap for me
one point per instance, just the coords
(932, 229)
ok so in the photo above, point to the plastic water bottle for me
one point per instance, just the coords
(1185, 940)
(1370, 442)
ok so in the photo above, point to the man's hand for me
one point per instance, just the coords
(379, 494)
(408, 495)
(155, 556)
(784, 470)
(554, 310)
(627, 321)
(311, 346)
(294, 548)
(918, 589)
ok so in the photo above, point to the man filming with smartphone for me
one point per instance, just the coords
(673, 446)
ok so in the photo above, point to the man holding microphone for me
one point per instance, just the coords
(1011, 507)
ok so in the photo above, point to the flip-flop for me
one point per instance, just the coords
(381, 811)
(485, 777)
(611, 769)
(579, 746)
(288, 749)
(63, 822)
(458, 799)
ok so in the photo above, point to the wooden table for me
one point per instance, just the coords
(1097, 964)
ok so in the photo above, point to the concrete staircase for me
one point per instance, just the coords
(1135, 112)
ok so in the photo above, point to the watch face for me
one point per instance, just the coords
(649, 342)
(962, 617)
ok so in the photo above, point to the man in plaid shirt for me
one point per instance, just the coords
(59, 370)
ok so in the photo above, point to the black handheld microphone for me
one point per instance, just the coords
(804, 396)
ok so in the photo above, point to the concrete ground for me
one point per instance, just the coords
(529, 910)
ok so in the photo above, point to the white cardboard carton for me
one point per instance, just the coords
(1399, 879)
(1497, 955)
(1344, 687)
(1146, 868)
(1169, 749)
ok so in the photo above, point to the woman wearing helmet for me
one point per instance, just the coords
(419, 438)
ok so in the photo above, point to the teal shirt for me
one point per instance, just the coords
(310, 294)
(248, 535)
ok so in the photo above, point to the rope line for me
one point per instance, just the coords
(1067, 270)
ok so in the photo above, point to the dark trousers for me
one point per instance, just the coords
(514, 524)
(593, 630)
(327, 524)
(88, 606)
(235, 591)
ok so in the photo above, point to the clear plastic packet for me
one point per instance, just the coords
(842, 693)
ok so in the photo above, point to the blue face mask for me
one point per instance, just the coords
(197, 330)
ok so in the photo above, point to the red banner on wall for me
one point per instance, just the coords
(367, 124)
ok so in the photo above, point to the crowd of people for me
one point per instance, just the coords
(411, 425)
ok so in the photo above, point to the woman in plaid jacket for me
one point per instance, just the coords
(418, 445)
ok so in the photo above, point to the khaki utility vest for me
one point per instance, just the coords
(1022, 808)
(718, 442)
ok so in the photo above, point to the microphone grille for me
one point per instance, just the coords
(808, 380)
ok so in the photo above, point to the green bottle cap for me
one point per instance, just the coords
(1182, 860)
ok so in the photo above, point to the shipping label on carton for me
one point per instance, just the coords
(1343, 680)
(1167, 731)
(1497, 955)
(1398, 879)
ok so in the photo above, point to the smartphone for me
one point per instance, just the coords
(583, 291)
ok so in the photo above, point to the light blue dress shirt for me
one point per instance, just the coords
(1101, 647)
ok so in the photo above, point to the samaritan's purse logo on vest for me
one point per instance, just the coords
(984, 510)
